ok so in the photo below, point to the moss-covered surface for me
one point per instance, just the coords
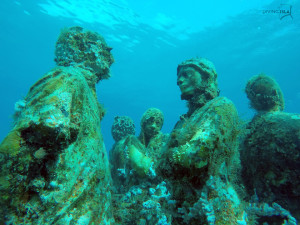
(264, 93)
(54, 167)
(87, 49)
(207, 138)
(271, 160)
(204, 146)
(122, 127)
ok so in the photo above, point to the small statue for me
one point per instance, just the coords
(131, 155)
(151, 136)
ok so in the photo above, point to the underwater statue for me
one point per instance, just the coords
(270, 154)
(201, 161)
(264, 94)
(131, 156)
(123, 127)
(54, 166)
(139, 193)
(151, 136)
(205, 137)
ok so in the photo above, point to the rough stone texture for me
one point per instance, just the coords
(207, 138)
(264, 93)
(152, 115)
(81, 47)
(54, 166)
(202, 160)
(206, 88)
(151, 136)
(271, 160)
(132, 159)
(122, 127)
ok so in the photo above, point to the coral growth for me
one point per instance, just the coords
(122, 127)
(205, 88)
(271, 161)
(152, 115)
(12, 143)
(264, 93)
(54, 167)
(207, 138)
(144, 204)
(80, 47)
(218, 203)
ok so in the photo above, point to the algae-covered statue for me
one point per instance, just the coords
(264, 94)
(127, 153)
(201, 159)
(151, 136)
(139, 194)
(270, 154)
(132, 155)
(54, 166)
(206, 136)
(123, 127)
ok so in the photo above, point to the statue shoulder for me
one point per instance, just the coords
(222, 106)
(220, 102)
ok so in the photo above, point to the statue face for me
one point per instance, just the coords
(152, 126)
(188, 79)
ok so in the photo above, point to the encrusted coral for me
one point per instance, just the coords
(145, 203)
(87, 49)
(207, 88)
(218, 202)
(53, 164)
(152, 115)
(264, 93)
(207, 138)
(11, 143)
(271, 161)
(189, 156)
(265, 210)
(151, 136)
(122, 127)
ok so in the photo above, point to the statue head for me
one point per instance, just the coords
(264, 93)
(197, 80)
(152, 122)
(122, 127)
(77, 46)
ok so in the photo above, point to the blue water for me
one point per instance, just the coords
(149, 40)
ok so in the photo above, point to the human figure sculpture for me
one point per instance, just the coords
(264, 94)
(128, 159)
(130, 152)
(270, 153)
(122, 128)
(206, 135)
(134, 162)
(54, 166)
(151, 136)
(202, 158)
(197, 80)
